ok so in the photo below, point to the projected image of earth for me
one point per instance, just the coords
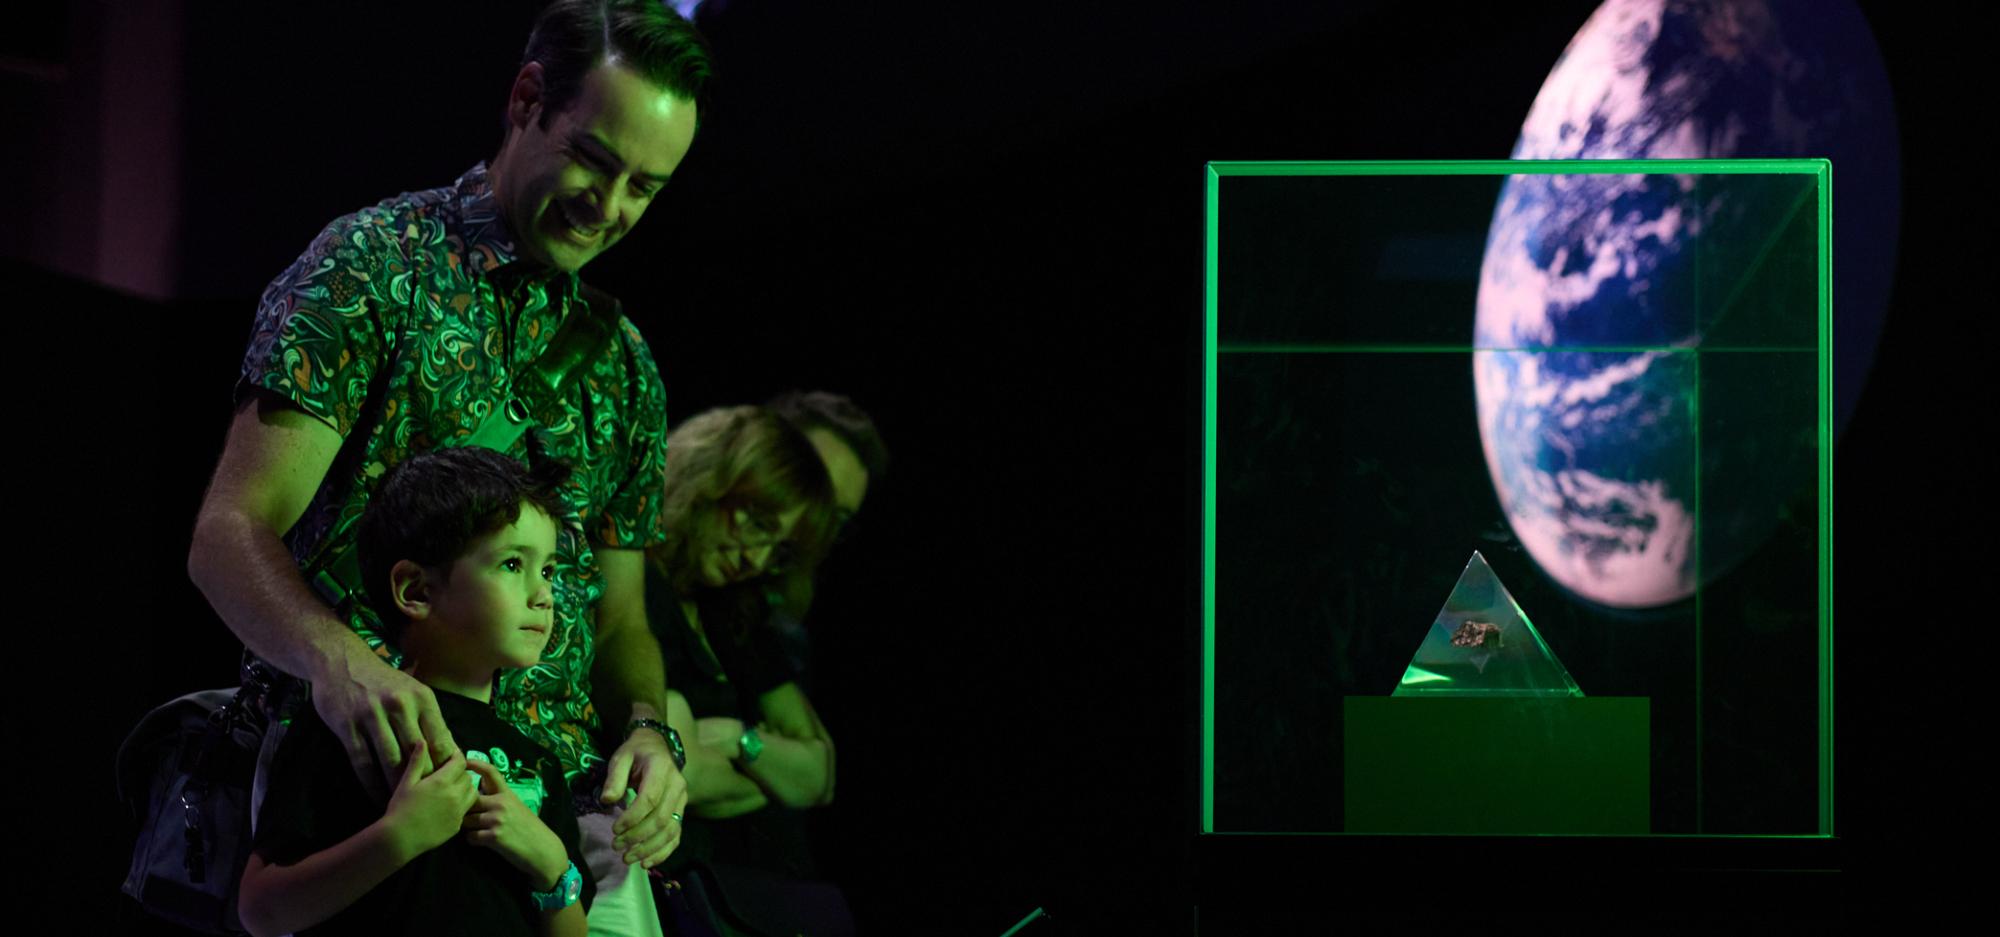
(1590, 435)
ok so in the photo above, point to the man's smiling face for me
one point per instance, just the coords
(573, 182)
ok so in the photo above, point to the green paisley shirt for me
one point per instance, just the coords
(400, 327)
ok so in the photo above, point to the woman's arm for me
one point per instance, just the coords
(716, 791)
(797, 761)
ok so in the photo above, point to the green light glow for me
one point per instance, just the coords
(1208, 359)
(1825, 228)
(1700, 694)
(1549, 765)
(1418, 674)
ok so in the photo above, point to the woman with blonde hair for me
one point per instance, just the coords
(746, 494)
(747, 500)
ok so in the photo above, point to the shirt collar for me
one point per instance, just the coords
(489, 244)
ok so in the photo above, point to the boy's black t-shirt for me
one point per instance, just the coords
(314, 801)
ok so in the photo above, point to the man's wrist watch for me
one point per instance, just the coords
(751, 744)
(673, 738)
(568, 889)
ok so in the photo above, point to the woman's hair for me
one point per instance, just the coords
(745, 458)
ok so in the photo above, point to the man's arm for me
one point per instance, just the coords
(629, 681)
(716, 790)
(272, 463)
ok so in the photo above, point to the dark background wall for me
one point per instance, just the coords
(981, 221)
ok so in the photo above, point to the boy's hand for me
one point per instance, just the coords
(501, 822)
(427, 806)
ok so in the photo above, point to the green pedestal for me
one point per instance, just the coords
(1518, 766)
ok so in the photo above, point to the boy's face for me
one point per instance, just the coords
(498, 602)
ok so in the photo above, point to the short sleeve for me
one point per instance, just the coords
(318, 337)
(631, 518)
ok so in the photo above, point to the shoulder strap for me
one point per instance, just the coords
(581, 340)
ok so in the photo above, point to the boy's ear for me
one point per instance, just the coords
(409, 589)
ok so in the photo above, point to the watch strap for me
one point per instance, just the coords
(568, 888)
(674, 745)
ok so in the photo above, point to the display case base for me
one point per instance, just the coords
(1510, 765)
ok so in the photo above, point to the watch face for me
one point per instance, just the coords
(565, 893)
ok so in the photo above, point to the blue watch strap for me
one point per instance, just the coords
(568, 889)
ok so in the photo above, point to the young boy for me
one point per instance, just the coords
(457, 551)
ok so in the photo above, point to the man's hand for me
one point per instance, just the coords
(648, 830)
(377, 711)
(274, 460)
(630, 681)
(501, 822)
(427, 806)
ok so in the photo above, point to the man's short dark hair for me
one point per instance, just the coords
(818, 409)
(432, 506)
(571, 37)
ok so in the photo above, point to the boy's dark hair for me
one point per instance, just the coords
(811, 410)
(432, 506)
(571, 37)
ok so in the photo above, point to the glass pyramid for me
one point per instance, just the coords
(1482, 644)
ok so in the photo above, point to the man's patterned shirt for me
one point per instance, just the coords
(401, 327)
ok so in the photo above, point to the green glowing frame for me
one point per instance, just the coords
(1820, 169)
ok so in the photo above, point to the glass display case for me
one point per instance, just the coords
(1517, 499)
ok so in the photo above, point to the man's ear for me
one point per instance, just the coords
(524, 100)
(409, 589)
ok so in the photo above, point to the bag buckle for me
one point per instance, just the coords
(195, 859)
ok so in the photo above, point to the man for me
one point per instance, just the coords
(406, 327)
(846, 439)
(854, 455)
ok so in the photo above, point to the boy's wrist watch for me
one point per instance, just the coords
(568, 889)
